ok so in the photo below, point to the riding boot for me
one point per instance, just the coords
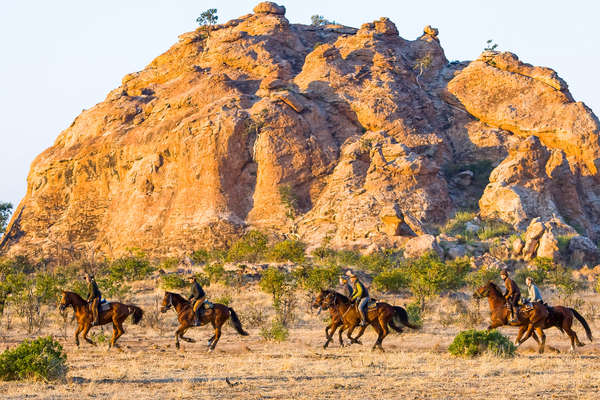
(198, 316)
(513, 316)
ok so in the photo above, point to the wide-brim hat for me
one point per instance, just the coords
(351, 274)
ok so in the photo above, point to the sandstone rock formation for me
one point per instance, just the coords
(323, 133)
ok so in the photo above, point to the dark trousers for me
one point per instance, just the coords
(513, 302)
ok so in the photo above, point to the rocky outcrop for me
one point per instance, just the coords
(354, 137)
(421, 245)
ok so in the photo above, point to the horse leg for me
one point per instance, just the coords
(86, 329)
(216, 340)
(119, 332)
(340, 335)
(179, 333)
(540, 331)
(380, 336)
(333, 327)
(361, 331)
(518, 340)
(79, 329)
(567, 324)
(385, 330)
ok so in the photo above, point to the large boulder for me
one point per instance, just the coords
(421, 245)
(268, 7)
(583, 250)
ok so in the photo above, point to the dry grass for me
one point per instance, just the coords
(415, 365)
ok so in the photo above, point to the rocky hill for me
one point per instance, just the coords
(354, 137)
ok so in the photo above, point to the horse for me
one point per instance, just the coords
(117, 313)
(527, 320)
(217, 316)
(561, 317)
(382, 317)
(336, 317)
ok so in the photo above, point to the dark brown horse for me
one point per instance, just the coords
(528, 319)
(117, 313)
(562, 318)
(382, 317)
(217, 316)
(336, 317)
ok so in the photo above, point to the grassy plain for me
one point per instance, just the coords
(416, 365)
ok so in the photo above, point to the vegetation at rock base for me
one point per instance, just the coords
(5, 211)
(473, 343)
(40, 359)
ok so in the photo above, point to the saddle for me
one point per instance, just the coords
(104, 305)
(372, 304)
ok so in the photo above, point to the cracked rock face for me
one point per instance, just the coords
(327, 133)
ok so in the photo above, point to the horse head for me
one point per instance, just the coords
(65, 301)
(486, 290)
(167, 302)
(318, 302)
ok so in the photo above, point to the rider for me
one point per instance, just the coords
(197, 298)
(347, 287)
(533, 291)
(360, 295)
(512, 295)
(93, 298)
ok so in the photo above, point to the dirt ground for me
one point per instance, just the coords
(416, 365)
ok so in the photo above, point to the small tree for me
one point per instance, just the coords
(319, 20)
(281, 286)
(5, 211)
(490, 45)
(208, 18)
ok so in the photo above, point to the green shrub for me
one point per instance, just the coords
(414, 314)
(131, 268)
(563, 243)
(478, 278)
(250, 248)
(40, 359)
(204, 256)
(288, 250)
(281, 286)
(225, 299)
(290, 200)
(392, 280)
(216, 273)
(380, 261)
(323, 254)
(315, 279)
(428, 276)
(100, 337)
(276, 332)
(169, 263)
(473, 343)
(172, 281)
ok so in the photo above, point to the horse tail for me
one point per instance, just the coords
(588, 331)
(137, 312)
(236, 322)
(401, 317)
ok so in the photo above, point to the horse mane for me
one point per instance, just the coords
(75, 294)
(178, 297)
(494, 287)
(333, 292)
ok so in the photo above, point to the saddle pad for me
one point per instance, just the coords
(105, 306)
(372, 305)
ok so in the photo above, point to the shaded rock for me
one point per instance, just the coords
(583, 250)
(517, 246)
(548, 245)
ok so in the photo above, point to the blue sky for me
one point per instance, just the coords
(61, 57)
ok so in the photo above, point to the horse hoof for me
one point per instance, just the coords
(210, 350)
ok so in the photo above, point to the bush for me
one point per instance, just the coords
(391, 281)
(315, 279)
(250, 248)
(288, 250)
(380, 261)
(473, 342)
(414, 314)
(40, 359)
(457, 225)
(216, 273)
(172, 281)
(428, 276)
(169, 263)
(476, 279)
(131, 268)
(225, 299)
(281, 286)
(276, 332)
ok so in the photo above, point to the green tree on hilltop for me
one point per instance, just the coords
(5, 212)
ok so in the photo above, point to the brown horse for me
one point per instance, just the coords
(217, 316)
(382, 317)
(117, 313)
(336, 317)
(562, 318)
(528, 320)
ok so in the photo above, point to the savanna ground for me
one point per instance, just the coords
(416, 365)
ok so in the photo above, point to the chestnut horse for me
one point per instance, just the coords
(528, 320)
(382, 317)
(562, 318)
(217, 316)
(336, 317)
(117, 313)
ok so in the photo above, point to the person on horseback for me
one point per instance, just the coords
(360, 295)
(347, 287)
(512, 295)
(197, 298)
(533, 291)
(93, 298)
